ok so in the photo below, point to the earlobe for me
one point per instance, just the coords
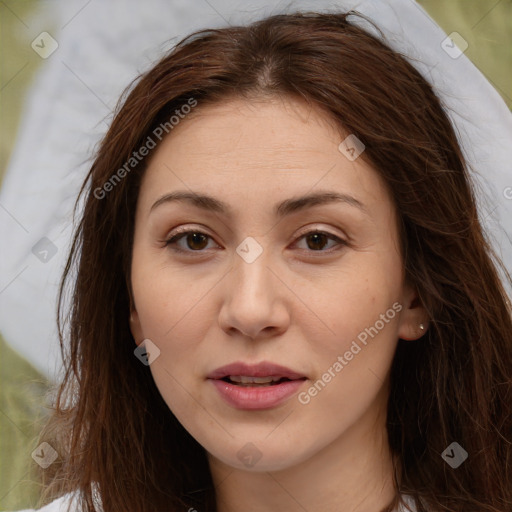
(414, 318)
(412, 331)
(135, 327)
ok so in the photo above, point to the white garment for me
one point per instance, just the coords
(59, 505)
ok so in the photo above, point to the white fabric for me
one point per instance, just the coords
(59, 505)
(102, 46)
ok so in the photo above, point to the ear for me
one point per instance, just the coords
(135, 327)
(412, 316)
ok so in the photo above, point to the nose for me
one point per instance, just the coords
(255, 303)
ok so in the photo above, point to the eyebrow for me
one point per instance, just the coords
(286, 207)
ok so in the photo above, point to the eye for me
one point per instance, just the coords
(194, 240)
(316, 240)
(197, 241)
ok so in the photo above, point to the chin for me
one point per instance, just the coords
(260, 456)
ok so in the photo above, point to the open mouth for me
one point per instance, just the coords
(256, 386)
(245, 381)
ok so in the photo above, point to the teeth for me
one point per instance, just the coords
(243, 379)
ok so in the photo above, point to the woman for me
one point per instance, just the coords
(284, 297)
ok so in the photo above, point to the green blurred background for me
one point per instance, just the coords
(485, 24)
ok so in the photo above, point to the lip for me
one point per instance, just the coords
(257, 397)
(263, 369)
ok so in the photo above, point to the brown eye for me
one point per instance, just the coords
(318, 240)
(195, 241)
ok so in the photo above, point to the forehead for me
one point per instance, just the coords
(240, 149)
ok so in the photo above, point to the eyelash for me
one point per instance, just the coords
(171, 242)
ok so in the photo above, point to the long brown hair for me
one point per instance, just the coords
(110, 424)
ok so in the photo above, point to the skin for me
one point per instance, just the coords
(294, 305)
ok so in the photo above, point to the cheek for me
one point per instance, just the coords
(352, 362)
(168, 318)
(358, 300)
(176, 311)
(167, 296)
(172, 321)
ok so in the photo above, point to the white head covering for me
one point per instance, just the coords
(103, 45)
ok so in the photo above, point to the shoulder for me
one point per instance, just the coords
(70, 502)
(61, 504)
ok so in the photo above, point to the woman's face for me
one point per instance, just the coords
(292, 260)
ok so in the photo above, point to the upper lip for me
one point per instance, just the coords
(263, 369)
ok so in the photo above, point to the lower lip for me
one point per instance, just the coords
(257, 397)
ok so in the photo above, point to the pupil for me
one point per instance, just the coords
(317, 238)
(194, 238)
